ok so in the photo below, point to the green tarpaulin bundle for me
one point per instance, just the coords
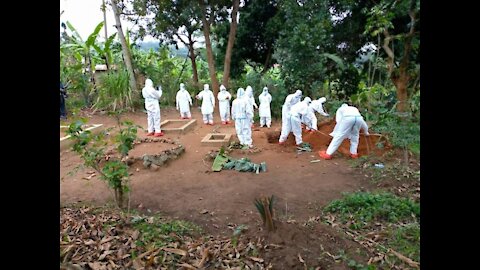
(241, 165)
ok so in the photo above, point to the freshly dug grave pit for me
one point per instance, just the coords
(320, 140)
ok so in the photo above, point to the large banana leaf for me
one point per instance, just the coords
(93, 36)
(335, 58)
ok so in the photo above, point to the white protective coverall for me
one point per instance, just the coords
(251, 99)
(242, 113)
(152, 106)
(315, 106)
(208, 104)
(338, 116)
(294, 120)
(264, 110)
(184, 101)
(224, 98)
(349, 126)
(290, 100)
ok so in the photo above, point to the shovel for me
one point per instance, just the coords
(367, 139)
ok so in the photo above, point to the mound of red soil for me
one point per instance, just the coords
(320, 140)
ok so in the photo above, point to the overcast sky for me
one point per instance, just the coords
(84, 15)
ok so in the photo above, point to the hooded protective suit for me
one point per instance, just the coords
(242, 113)
(152, 106)
(224, 98)
(208, 104)
(184, 101)
(348, 125)
(294, 120)
(264, 110)
(338, 117)
(315, 106)
(290, 100)
(251, 99)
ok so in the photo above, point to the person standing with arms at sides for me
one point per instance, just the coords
(348, 126)
(290, 100)
(208, 104)
(264, 110)
(152, 106)
(224, 98)
(184, 101)
(251, 99)
(242, 113)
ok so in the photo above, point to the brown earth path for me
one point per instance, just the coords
(186, 187)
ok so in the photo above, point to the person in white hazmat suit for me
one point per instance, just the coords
(242, 114)
(152, 106)
(224, 98)
(290, 100)
(184, 101)
(264, 109)
(208, 104)
(251, 99)
(338, 116)
(295, 117)
(315, 106)
(349, 125)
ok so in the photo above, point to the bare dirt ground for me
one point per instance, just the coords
(186, 188)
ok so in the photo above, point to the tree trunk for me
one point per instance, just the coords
(231, 42)
(91, 69)
(208, 46)
(104, 9)
(126, 51)
(119, 197)
(267, 60)
(191, 54)
(402, 94)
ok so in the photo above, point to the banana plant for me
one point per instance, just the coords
(84, 48)
(106, 52)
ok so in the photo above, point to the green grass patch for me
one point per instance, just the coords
(361, 208)
(157, 232)
(406, 240)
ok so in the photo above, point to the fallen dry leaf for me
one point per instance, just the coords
(255, 259)
(300, 258)
(405, 259)
(186, 265)
(176, 251)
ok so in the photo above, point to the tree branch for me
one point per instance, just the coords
(388, 50)
(181, 39)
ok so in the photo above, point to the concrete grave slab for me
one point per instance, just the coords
(66, 142)
(177, 125)
(216, 139)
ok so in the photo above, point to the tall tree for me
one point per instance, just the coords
(231, 41)
(300, 48)
(208, 11)
(257, 32)
(104, 10)
(171, 21)
(397, 21)
(127, 58)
